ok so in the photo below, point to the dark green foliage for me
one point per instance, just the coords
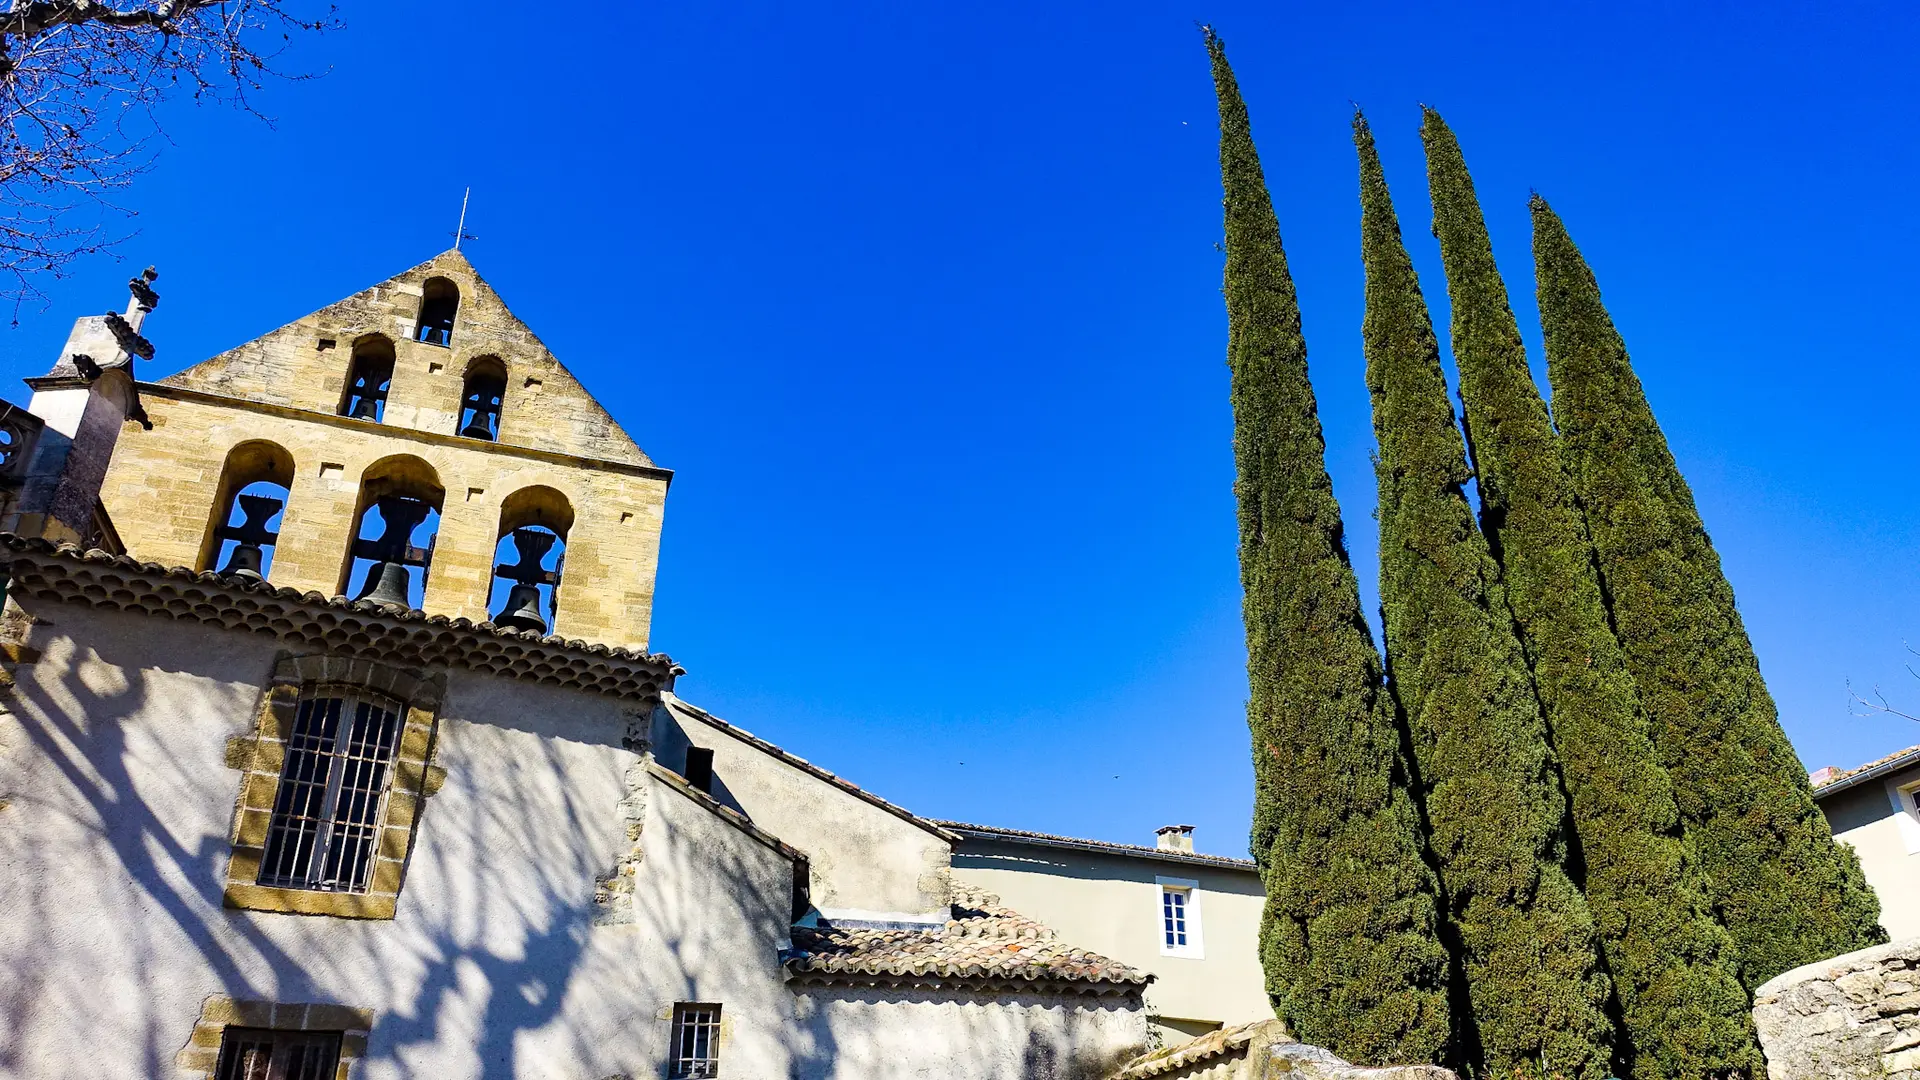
(1352, 957)
(1683, 1010)
(1524, 938)
(1785, 890)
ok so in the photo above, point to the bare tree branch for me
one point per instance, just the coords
(79, 83)
(1880, 706)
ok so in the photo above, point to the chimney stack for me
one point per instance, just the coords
(1174, 838)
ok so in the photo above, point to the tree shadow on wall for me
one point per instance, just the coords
(116, 849)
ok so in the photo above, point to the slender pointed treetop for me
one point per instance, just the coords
(1683, 1010)
(1785, 890)
(1524, 936)
(1348, 939)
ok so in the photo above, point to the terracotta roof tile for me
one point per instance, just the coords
(995, 832)
(982, 941)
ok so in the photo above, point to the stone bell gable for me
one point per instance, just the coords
(306, 364)
(421, 407)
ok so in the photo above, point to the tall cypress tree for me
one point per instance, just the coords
(1683, 1010)
(1788, 894)
(1348, 939)
(1525, 939)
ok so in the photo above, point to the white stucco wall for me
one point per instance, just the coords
(114, 840)
(114, 845)
(1879, 821)
(866, 862)
(865, 1034)
(1110, 903)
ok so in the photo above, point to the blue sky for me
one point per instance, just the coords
(921, 302)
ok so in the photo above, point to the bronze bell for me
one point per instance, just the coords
(387, 580)
(245, 562)
(387, 583)
(478, 427)
(365, 407)
(522, 610)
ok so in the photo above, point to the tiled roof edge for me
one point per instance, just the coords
(674, 701)
(1104, 847)
(1204, 1048)
(805, 976)
(724, 812)
(1872, 770)
(98, 578)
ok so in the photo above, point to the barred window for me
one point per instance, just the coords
(326, 814)
(696, 1040)
(264, 1054)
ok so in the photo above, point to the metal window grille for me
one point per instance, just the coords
(696, 1041)
(1173, 916)
(326, 815)
(264, 1054)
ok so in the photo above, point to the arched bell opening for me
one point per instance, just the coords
(394, 526)
(439, 303)
(480, 398)
(528, 557)
(243, 528)
(369, 376)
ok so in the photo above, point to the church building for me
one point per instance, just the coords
(331, 746)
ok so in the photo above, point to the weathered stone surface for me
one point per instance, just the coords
(560, 461)
(1854, 1017)
(1262, 1050)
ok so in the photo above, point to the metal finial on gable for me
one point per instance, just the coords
(460, 231)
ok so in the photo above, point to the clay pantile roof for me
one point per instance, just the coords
(1206, 1047)
(66, 573)
(994, 832)
(1829, 780)
(983, 942)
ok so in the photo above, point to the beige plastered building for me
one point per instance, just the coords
(1873, 809)
(332, 746)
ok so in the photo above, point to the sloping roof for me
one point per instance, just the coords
(1835, 782)
(722, 811)
(695, 712)
(982, 943)
(1104, 847)
(1213, 1044)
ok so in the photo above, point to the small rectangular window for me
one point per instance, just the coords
(265, 1054)
(1179, 917)
(326, 815)
(696, 1041)
(1173, 916)
(700, 768)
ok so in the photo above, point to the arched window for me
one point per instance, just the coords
(439, 303)
(368, 379)
(480, 398)
(393, 531)
(244, 525)
(528, 557)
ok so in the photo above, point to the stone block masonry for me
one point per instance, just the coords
(285, 389)
(1854, 1017)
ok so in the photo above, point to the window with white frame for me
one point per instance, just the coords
(326, 814)
(1179, 917)
(696, 1041)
